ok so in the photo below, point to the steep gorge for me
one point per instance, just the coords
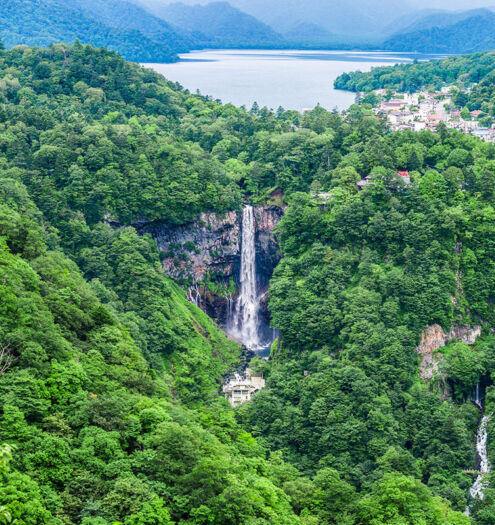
(205, 257)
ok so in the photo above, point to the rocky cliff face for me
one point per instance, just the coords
(433, 338)
(205, 256)
(199, 251)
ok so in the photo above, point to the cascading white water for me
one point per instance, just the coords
(480, 484)
(193, 295)
(245, 322)
(476, 397)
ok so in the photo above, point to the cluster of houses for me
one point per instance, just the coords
(425, 110)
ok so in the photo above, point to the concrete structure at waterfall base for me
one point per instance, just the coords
(241, 389)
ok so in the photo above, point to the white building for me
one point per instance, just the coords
(418, 125)
(241, 389)
(392, 105)
(400, 117)
(426, 108)
(488, 135)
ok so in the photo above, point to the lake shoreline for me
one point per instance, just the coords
(296, 79)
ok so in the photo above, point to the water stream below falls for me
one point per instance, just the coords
(244, 322)
(478, 489)
(480, 484)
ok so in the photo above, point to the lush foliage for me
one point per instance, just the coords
(98, 435)
(110, 378)
(466, 69)
(362, 274)
(141, 38)
(101, 434)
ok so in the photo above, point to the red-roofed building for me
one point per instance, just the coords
(405, 176)
(476, 113)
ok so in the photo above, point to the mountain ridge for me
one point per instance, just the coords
(442, 19)
(45, 22)
(219, 24)
(469, 35)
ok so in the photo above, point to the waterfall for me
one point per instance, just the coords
(193, 295)
(479, 486)
(476, 398)
(245, 323)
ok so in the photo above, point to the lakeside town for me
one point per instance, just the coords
(426, 110)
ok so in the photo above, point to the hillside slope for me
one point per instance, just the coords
(98, 437)
(428, 20)
(398, 24)
(44, 22)
(471, 34)
(125, 15)
(111, 389)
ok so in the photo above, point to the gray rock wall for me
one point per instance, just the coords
(208, 250)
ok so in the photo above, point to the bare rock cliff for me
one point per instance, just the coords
(205, 255)
(433, 338)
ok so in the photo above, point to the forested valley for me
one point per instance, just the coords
(110, 379)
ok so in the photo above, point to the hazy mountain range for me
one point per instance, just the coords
(349, 17)
(157, 30)
(218, 24)
(466, 32)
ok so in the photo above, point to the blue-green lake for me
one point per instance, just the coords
(291, 79)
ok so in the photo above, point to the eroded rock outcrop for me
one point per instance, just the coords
(205, 256)
(199, 250)
(433, 338)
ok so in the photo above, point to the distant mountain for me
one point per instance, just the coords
(399, 24)
(157, 30)
(126, 15)
(475, 33)
(439, 19)
(44, 22)
(218, 24)
(350, 17)
(308, 32)
(356, 18)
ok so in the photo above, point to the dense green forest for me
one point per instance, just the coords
(110, 379)
(474, 68)
(109, 376)
(121, 26)
(473, 75)
(474, 32)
